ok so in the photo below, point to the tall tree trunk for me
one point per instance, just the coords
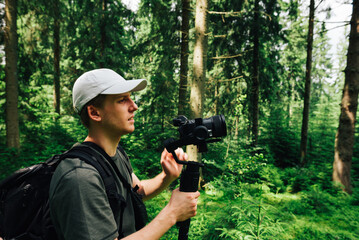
(12, 92)
(216, 86)
(291, 98)
(216, 96)
(305, 121)
(56, 13)
(184, 57)
(103, 33)
(344, 139)
(255, 75)
(199, 69)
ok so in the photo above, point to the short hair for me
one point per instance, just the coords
(98, 102)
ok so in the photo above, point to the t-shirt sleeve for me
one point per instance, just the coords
(79, 206)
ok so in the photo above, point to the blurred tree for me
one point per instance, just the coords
(344, 140)
(293, 58)
(305, 121)
(156, 54)
(227, 63)
(56, 47)
(103, 31)
(2, 17)
(11, 71)
(254, 92)
(182, 96)
(291, 89)
(231, 66)
(199, 69)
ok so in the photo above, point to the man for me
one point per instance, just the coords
(79, 205)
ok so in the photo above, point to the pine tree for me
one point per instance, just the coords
(56, 47)
(11, 71)
(199, 69)
(344, 139)
(305, 121)
(254, 93)
(182, 96)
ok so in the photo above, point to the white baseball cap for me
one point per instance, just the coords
(102, 81)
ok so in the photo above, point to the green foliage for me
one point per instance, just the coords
(261, 214)
(282, 138)
(239, 166)
(258, 213)
(355, 198)
(251, 221)
(40, 142)
(249, 193)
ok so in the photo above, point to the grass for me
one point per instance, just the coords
(307, 215)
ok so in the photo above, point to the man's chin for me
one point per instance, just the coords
(130, 130)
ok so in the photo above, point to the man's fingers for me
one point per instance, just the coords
(181, 154)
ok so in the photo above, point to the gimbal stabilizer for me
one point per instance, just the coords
(196, 132)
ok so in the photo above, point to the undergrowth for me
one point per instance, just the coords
(250, 198)
(263, 214)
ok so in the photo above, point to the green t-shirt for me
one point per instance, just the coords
(79, 205)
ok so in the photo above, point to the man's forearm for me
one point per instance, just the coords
(152, 187)
(171, 170)
(156, 228)
(180, 207)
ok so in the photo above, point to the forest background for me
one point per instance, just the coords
(256, 184)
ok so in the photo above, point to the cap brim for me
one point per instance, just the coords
(127, 86)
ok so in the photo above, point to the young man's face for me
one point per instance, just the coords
(117, 114)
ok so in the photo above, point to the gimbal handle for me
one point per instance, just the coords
(188, 182)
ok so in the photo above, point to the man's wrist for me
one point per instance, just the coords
(169, 214)
(167, 178)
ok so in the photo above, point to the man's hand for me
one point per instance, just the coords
(169, 165)
(171, 171)
(183, 204)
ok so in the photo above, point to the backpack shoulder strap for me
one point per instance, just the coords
(98, 156)
(90, 157)
(93, 158)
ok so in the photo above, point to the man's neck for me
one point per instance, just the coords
(107, 144)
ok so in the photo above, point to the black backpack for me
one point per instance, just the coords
(24, 196)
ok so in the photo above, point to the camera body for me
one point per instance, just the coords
(200, 128)
(199, 131)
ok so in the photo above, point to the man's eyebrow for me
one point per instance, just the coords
(123, 95)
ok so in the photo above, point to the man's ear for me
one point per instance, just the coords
(93, 113)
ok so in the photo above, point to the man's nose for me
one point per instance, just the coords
(134, 106)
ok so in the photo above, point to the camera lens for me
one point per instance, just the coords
(217, 124)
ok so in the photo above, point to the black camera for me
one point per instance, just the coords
(199, 131)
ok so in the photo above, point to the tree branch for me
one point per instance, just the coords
(226, 13)
(221, 57)
(231, 79)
